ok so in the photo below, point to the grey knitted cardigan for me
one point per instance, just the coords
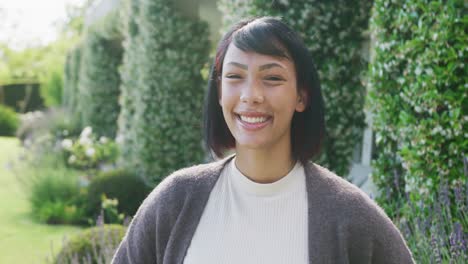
(344, 224)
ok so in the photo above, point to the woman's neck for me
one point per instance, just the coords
(263, 166)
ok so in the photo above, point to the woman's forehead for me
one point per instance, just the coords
(237, 57)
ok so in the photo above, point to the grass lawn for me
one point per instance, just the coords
(22, 240)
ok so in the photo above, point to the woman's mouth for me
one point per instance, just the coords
(253, 123)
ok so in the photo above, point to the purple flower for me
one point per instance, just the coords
(435, 257)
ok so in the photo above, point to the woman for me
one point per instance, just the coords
(266, 203)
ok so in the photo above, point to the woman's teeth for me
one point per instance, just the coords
(253, 120)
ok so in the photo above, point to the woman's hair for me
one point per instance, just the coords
(268, 36)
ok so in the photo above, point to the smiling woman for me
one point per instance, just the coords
(267, 203)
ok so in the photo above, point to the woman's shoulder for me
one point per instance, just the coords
(177, 186)
(341, 196)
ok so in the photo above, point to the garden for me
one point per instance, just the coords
(122, 108)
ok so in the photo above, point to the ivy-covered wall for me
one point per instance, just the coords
(419, 96)
(99, 77)
(169, 96)
(334, 32)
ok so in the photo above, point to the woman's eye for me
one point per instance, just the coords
(233, 76)
(274, 78)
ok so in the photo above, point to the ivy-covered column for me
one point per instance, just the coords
(99, 77)
(71, 77)
(334, 33)
(170, 91)
(129, 74)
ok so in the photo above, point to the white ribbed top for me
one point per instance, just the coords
(248, 222)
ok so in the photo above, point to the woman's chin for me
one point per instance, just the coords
(251, 144)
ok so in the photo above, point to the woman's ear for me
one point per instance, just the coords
(301, 101)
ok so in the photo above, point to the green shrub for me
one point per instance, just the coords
(418, 97)
(55, 194)
(52, 88)
(9, 121)
(168, 99)
(92, 246)
(123, 185)
(59, 213)
(334, 32)
(99, 79)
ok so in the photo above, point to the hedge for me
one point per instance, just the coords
(418, 97)
(99, 77)
(334, 33)
(9, 121)
(169, 97)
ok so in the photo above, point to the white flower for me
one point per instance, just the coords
(86, 132)
(119, 139)
(90, 152)
(85, 141)
(67, 144)
(27, 142)
(103, 140)
(418, 71)
(71, 159)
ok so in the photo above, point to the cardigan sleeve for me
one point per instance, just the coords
(138, 244)
(389, 245)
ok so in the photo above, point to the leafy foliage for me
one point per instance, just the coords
(9, 121)
(52, 88)
(71, 78)
(334, 33)
(92, 246)
(129, 74)
(122, 185)
(166, 130)
(54, 191)
(99, 77)
(419, 97)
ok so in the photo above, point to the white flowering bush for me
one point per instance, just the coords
(88, 151)
(334, 32)
(418, 97)
(163, 121)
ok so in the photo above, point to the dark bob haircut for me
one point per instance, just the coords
(268, 36)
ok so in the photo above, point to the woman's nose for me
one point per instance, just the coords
(252, 93)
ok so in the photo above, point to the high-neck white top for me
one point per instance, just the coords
(248, 222)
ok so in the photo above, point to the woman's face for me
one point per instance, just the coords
(259, 96)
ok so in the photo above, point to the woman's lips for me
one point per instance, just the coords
(253, 126)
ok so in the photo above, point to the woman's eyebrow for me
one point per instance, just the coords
(262, 67)
(269, 66)
(243, 66)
